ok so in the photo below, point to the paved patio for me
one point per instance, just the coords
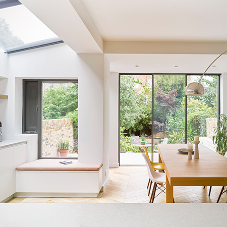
(135, 159)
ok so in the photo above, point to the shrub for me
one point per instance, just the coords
(64, 145)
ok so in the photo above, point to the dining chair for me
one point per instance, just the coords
(158, 178)
(155, 165)
(221, 192)
(209, 189)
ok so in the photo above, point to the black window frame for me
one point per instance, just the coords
(186, 82)
(39, 126)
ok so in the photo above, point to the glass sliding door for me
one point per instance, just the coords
(135, 117)
(169, 109)
(202, 111)
(155, 107)
(59, 118)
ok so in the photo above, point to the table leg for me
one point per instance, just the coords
(169, 192)
(159, 158)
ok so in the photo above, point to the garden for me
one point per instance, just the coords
(60, 117)
(156, 106)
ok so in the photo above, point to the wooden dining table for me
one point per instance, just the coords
(209, 170)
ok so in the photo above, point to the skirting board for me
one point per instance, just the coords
(105, 184)
(113, 165)
(50, 195)
(7, 199)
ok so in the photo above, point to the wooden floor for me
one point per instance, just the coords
(128, 185)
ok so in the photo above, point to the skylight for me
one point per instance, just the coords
(18, 26)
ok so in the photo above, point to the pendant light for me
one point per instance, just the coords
(196, 88)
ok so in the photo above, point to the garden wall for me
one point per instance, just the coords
(54, 131)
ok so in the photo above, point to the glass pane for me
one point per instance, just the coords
(169, 109)
(19, 26)
(60, 119)
(135, 117)
(202, 110)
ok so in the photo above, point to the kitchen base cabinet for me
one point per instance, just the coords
(11, 156)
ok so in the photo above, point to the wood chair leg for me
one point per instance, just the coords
(149, 188)
(153, 192)
(210, 190)
(204, 187)
(148, 183)
(220, 194)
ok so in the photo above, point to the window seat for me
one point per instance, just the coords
(55, 165)
(49, 178)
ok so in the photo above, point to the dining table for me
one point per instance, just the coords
(209, 170)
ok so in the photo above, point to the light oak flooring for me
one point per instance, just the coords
(128, 184)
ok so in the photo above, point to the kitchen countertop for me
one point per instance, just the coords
(112, 215)
(7, 143)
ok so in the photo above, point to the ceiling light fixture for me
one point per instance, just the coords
(136, 66)
(196, 88)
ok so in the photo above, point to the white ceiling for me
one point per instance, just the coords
(195, 21)
(64, 21)
(165, 63)
(162, 20)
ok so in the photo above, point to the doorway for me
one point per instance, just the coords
(154, 110)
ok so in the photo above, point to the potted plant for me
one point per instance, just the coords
(143, 139)
(220, 140)
(64, 148)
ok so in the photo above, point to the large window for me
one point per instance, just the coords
(51, 111)
(169, 109)
(18, 26)
(203, 111)
(154, 106)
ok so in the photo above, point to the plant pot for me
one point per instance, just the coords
(63, 153)
(142, 142)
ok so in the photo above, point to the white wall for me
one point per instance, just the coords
(3, 64)
(3, 84)
(106, 120)
(61, 62)
(90, 135)
(53, 61)
(114, 121)
(3, 106)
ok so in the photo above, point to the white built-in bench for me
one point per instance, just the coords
(49, 178)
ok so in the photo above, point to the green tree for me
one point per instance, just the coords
(59, 100)
(74, 116)
(210, 85)
(197, 113)
(135, 105)
(175, 125)
(7, 39)
(169, 83)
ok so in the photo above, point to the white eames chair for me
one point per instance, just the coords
(157, 178)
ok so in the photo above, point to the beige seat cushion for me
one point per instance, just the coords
(54, 165)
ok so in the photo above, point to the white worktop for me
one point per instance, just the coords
(7, 143)
(112, 215)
